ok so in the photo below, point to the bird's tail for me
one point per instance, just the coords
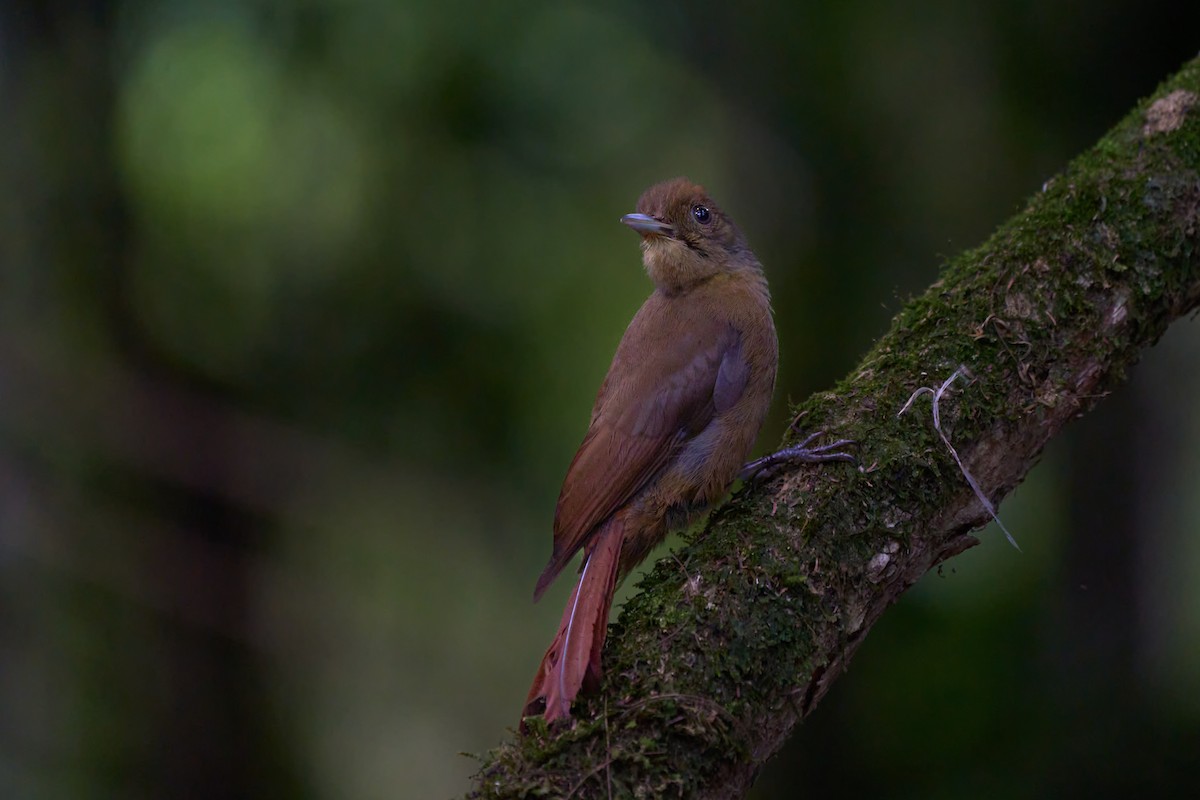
(573, 658)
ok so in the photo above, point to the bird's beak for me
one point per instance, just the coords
(647, 225)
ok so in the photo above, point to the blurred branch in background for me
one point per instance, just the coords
(727, 648)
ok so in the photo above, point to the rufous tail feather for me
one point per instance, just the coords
(573, 658)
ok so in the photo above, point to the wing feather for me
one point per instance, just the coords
(657, 396)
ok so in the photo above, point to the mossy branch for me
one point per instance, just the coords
(733, 641)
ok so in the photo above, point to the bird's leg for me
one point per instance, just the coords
(763, 467)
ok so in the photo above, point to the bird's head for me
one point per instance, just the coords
(686, 238)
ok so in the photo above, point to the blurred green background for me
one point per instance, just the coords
(303, 306)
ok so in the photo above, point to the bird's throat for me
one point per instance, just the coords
(673, 266)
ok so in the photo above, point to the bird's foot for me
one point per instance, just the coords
(762, 468)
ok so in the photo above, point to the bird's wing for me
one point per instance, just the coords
(653, 401)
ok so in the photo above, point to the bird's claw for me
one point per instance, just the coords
(766, 466)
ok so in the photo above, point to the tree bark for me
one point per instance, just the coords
(734, 640)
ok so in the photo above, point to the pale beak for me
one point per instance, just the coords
(647, 225)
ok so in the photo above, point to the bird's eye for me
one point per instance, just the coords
(701, 214)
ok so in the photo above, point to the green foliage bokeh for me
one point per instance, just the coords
(303, 307)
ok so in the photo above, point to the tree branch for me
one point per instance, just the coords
(732, 642)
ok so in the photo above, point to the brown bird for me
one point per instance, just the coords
(674, 420)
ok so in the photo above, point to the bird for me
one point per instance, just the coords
(673, 422)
